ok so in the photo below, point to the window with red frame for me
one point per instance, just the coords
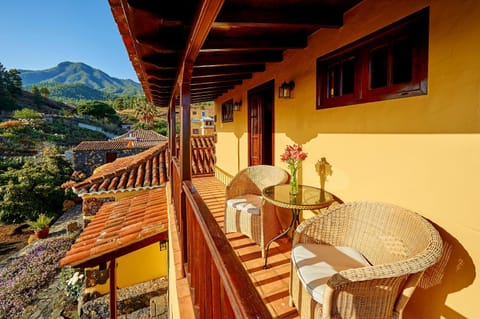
(391, 63)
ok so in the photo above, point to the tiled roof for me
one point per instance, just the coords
(113, 145)
(203, 154)
(131, 139)
(140, 171)
(121, 227)
(141, 135)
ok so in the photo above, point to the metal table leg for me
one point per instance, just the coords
(293, 224)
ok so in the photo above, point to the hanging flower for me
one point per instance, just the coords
(293, 155)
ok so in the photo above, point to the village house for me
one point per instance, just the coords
(89, 155)
(386, 91)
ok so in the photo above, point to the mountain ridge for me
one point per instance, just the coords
(80, 73)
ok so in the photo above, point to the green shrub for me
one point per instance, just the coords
(26, 114)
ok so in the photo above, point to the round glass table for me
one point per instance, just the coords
(308, 197)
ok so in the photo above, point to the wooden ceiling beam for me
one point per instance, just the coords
(244, 57)
(227, 70)
(221, 78)
(217, 93)
(196, 86)
(221, 41)
(317, 15)
(165, 10)
(161, 60)
(160, 82)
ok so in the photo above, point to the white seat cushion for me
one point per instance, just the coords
(247, 203)
(315, 264)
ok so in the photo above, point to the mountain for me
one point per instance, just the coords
(83, 76)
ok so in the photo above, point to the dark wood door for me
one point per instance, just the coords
(260, 124)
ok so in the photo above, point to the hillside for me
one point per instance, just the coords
(47, 106)
(72, 92)
(80, 73)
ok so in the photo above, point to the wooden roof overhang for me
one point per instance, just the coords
(214, 45)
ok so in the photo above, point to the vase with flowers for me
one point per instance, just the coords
(293, 156)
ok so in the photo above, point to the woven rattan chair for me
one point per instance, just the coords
(360, 260)
(246, 211)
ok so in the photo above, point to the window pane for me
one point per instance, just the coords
(334, 80)
(348, 76)
(378, 68)
(402, 62)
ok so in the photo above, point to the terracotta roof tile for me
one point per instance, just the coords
(132, 139)
(141, 135)
(203, 154)
(120, 224)
(143, 170)
(113, 145)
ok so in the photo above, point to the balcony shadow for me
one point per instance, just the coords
(454, 271)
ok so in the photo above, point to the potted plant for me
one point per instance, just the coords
(41, 226)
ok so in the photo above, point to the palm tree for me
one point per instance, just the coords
(145, 111)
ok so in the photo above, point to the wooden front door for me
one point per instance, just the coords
(260, 124)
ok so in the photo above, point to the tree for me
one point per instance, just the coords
(37, 97)
(35, 188)
(145, 111)
(96, 109)
(8, 90)
(44, 92)
(14, 82)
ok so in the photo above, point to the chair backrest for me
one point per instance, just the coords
(253, 179)
(387, 233)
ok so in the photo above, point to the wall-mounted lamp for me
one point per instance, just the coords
(286, 89)
(237, 105)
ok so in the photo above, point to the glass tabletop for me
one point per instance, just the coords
(308, 197)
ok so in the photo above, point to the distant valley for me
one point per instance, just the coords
(69, 81)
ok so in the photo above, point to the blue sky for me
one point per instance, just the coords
(37, 35)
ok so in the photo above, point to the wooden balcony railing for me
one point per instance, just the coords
(221, 288)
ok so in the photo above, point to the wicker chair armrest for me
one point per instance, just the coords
(319, 230)
(384, 271)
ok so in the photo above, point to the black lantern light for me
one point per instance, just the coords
(286, 89)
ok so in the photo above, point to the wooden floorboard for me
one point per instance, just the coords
(272, 283)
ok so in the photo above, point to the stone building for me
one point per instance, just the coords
(89, 155)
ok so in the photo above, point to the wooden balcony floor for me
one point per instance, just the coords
(272, 283)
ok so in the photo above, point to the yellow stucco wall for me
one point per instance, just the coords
(142, 265)
(139, 266)
(422, 153)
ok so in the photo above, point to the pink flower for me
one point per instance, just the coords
(293, 154)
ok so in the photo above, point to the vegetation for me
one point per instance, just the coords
(96, 109)
(10, 88)
(19, 138)
(26, 114)
(25, 276)
(34, 188)
(42, 222)
(72, 92)
(141, 113)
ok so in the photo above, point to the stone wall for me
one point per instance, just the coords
(87, 161)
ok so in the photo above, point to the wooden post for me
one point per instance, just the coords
(185, 157)
(113, 290)
(185, 132)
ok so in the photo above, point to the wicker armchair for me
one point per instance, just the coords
(360, 260)
(246, 211)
